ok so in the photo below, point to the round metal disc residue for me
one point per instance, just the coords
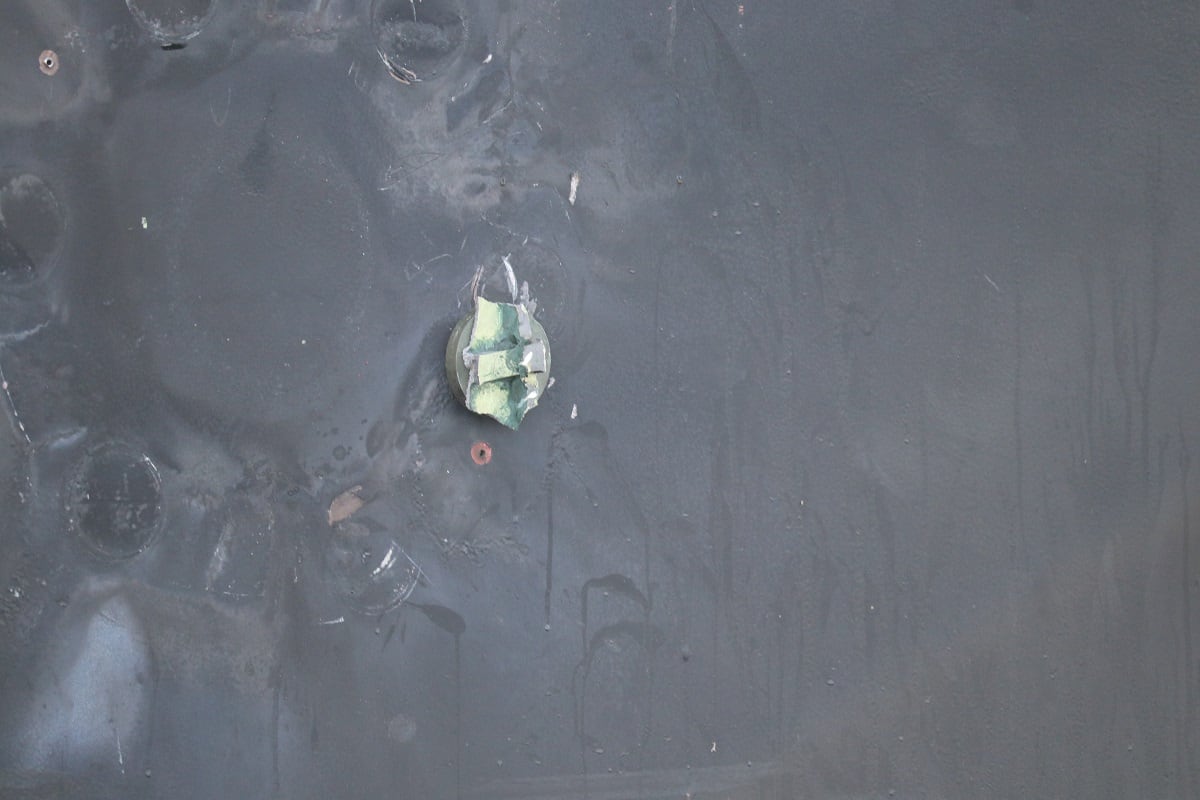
(368, 568)
(115, 501)
(420, 39)
(31, 228)
(402, 729)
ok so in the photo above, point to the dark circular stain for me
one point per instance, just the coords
(340, 452)
(31, 228)
(422, 37)
(48, 62)
(643, 53)
(115, 501)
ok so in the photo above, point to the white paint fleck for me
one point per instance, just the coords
(145, 223)
(575, 178)
(574, 410)
(511, 277)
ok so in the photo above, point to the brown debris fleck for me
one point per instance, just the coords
(345, 504)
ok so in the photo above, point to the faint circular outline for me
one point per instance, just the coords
(367, 568)
(176, 32)
(443, 15)
(48, 62)
(481, 453)
(10, 173)
(77, 477)
(402, 728)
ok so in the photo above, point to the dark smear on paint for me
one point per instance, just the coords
(650, 637)
(621, 584)
(446, 619)
(453, 623)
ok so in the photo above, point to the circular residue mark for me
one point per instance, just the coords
(31, 228)
(481, 453)
(368, 568)
(171, 21)
(402, 729)
(48, 62)
(115, 501)
(419, 38)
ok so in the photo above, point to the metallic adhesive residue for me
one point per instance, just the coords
(498, 357)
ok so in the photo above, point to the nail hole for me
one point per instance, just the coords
(48, 62)
(481, 453)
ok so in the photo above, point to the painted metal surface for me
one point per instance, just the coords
(868, 467)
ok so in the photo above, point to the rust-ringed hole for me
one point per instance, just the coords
(481, 453)
(48, 62)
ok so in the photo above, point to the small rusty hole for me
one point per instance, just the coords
(481, 453)
(48, 62)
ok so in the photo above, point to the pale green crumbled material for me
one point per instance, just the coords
(504, 361)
